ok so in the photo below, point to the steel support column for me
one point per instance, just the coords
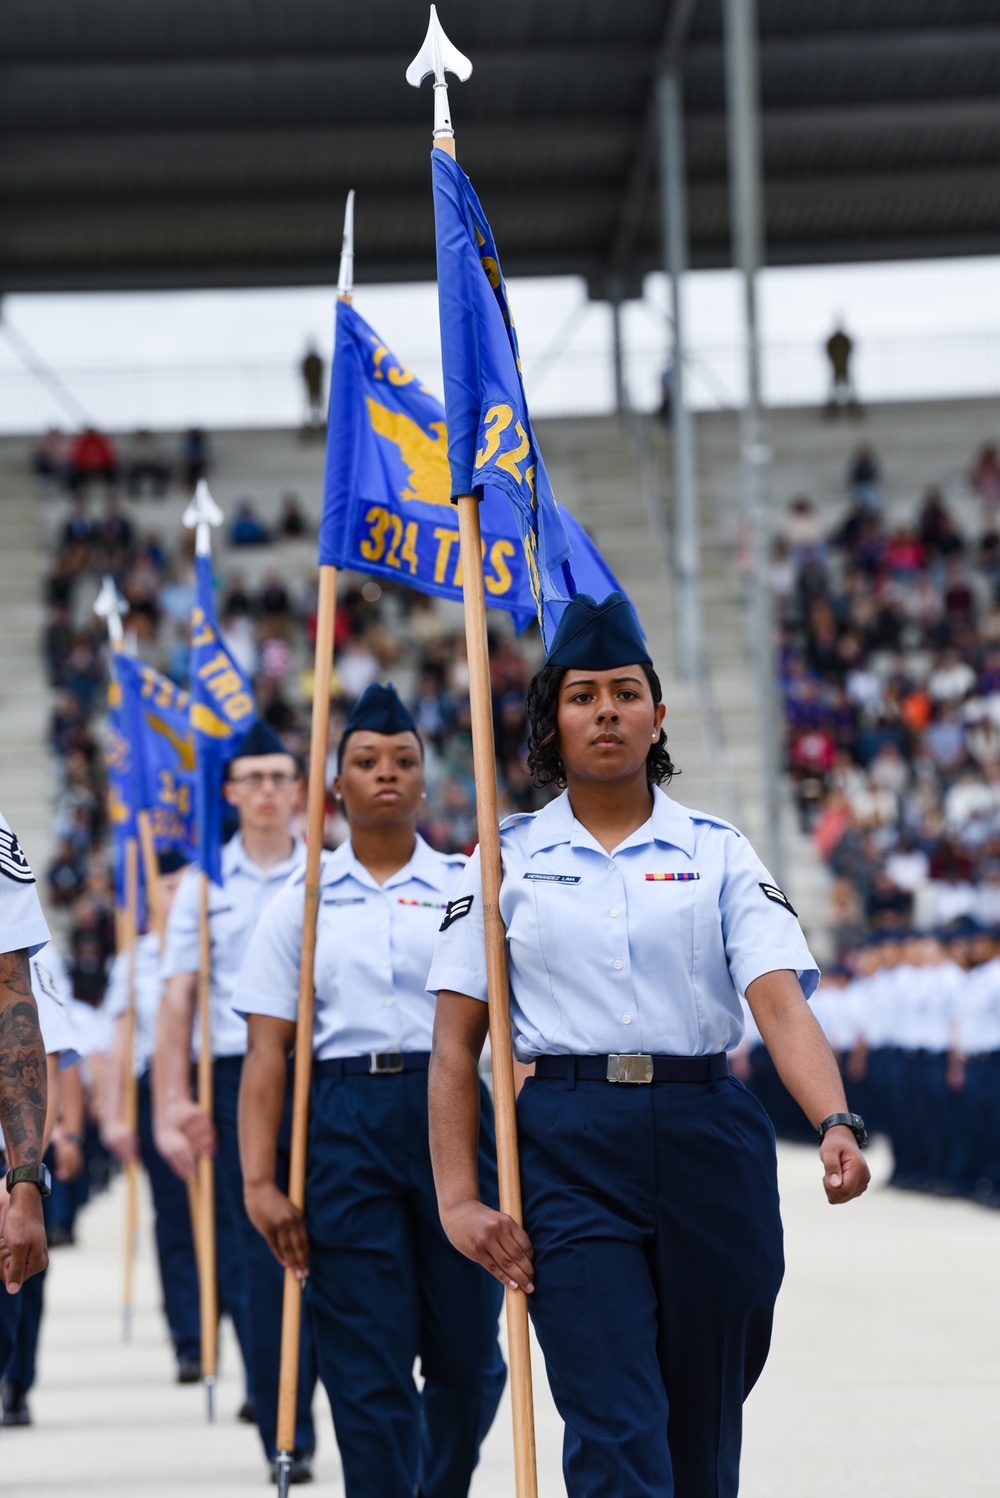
(673, 213)
(746, 211)
(618, 351)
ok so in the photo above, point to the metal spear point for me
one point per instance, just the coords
(200, 516)
(345, 281)
(109, 605)
(437, 56)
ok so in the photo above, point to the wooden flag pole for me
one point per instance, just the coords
(130, 1099)
(502, 1054)
(158, 924)
(326, 613)
(291, 1314)
(204, 1232)
(435, 57)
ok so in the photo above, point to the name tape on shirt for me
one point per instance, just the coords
(780, 898)
(554, 878)
(684, 877)
(346, 900)
(12, 860)
(454, 911)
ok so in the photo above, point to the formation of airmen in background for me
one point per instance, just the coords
(914, 1019)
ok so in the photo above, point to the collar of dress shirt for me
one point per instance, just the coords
(425, 865)
(236, 860)
(668, 823)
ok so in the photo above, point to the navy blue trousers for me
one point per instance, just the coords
(251, 1281)
(653, 1211)
(386, 1288)
(174, 1240)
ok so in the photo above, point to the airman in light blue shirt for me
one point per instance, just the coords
(373, 946)
(649, 949)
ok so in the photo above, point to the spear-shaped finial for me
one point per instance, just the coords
(437, 56)
(200, 516)
(345, 281)
(109, 605)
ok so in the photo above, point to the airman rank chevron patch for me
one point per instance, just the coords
(12, 860)
(455, 911)
(779, 897)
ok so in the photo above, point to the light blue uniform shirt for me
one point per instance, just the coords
(21, 921)
(234, 912)
(148, 993)
(374, 945)
(54, 994)
(977, 1010)
(607, 955)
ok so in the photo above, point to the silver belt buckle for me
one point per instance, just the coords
(384, 1063)
(630, 1068)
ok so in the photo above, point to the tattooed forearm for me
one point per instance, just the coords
(23, 1083)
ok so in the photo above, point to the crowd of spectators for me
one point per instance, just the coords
(382, 632)
(890, 673)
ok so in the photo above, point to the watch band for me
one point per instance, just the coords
(38, 1175)
(852, 1121)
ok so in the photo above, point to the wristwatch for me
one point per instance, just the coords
(37, 1174)
(852, 1121)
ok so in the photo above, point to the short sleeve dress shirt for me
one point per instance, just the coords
(53, 995)
(977, 1010)
(234, 911)
(374, 945)
(21, 921)
(646, 949)
(148, 991)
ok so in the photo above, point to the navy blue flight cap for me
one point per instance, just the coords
(260, 739)
(381, 710)
(170, 860)
(598, 636)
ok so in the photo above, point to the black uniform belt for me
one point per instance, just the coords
(633, 1068)
(373, 1064)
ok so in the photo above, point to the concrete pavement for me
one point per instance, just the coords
(883, 1382)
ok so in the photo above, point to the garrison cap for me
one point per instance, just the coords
(598, 636)
(170, 860)
(381, 710)
(260, 739)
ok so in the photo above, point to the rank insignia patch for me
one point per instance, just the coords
(779, 897)
(12, 860)
(684, 877)
(455, 911)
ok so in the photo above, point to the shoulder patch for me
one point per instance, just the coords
(455, 911)
(12, 860)
(779, 897)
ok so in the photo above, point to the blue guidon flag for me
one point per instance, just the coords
(387, 496)
(490, 440)
(150, 755)
(222, 711)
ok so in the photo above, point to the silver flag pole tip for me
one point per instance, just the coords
(345, 281)
(200, 516)
(109, 605)
(436, 57)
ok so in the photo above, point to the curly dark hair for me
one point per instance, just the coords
(541, 704)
